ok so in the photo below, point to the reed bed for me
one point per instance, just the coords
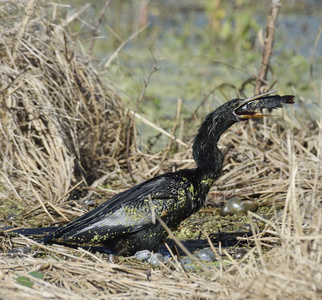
(60, 123)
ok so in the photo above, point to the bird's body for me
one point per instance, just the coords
(126, 223)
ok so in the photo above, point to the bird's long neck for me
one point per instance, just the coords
(208, 157)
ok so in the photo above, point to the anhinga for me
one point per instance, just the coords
(124, 224)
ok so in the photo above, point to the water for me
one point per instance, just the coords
(188, 42)
(186, 72)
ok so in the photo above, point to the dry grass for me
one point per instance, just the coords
(59, 122)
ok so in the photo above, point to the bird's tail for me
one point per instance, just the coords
(30, 231)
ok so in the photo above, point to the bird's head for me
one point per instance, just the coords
(243, 109)
(237, 110)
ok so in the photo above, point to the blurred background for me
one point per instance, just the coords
(209, 50)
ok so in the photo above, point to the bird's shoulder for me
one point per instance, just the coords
(130, 210)
(163, 188)
(160, 187)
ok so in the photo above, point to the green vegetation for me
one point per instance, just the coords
(211, 49)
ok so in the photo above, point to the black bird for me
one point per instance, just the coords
(124, 224)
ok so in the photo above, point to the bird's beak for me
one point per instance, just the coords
(252, 107)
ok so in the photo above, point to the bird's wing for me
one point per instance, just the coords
(126, 212)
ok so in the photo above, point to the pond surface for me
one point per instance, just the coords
(203, 46)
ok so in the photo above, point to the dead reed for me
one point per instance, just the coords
(60, 123)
